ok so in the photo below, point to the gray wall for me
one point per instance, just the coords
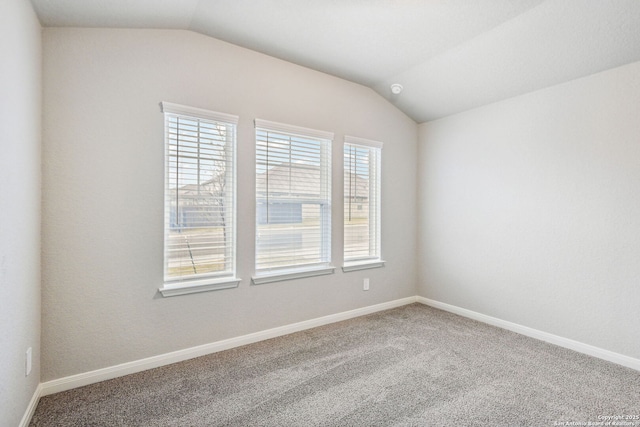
(530, 210)
(20, 107)
(103, 184)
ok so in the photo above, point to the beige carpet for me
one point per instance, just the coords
(410, 366)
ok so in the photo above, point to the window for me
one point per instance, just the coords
(362, 164)
(293, 202)
(199, 199)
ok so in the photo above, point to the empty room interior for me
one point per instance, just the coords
(320, 213)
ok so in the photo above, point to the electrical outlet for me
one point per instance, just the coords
(366, 284)
(27, 365)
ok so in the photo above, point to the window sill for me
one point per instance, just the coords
(291, 275)
(362, 265)
(204, 285)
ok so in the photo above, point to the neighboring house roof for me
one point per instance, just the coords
(293, 180)
(288, 180)
(207, 187)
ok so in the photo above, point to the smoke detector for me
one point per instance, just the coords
(396, 88)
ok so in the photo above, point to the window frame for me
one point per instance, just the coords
(188, 284)
(323, 266)
(374, 260)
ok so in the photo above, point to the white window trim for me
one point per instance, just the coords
(366, 263)
(168, 107)
(362, 141)
(362, 265)
(270, 275)
(296, 130)
(194, 285)
(292, 274)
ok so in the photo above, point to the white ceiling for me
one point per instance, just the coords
(450, 55)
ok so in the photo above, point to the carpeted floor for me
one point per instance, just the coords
(410, 366)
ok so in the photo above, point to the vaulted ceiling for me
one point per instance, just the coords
(449, 55)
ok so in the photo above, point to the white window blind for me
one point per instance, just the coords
(293, 197)
(200, 212)
(362, 164)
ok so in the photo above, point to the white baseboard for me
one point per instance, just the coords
(98, 375)
(31, 409)
(79, 380)
(590, 350)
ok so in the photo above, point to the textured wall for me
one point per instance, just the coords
(530, 210)
(20, 112)
(103, 184)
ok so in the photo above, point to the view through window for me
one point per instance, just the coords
(361, 199)
(199, 193)
(293, 197)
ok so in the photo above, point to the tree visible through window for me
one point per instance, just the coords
(199, 193)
